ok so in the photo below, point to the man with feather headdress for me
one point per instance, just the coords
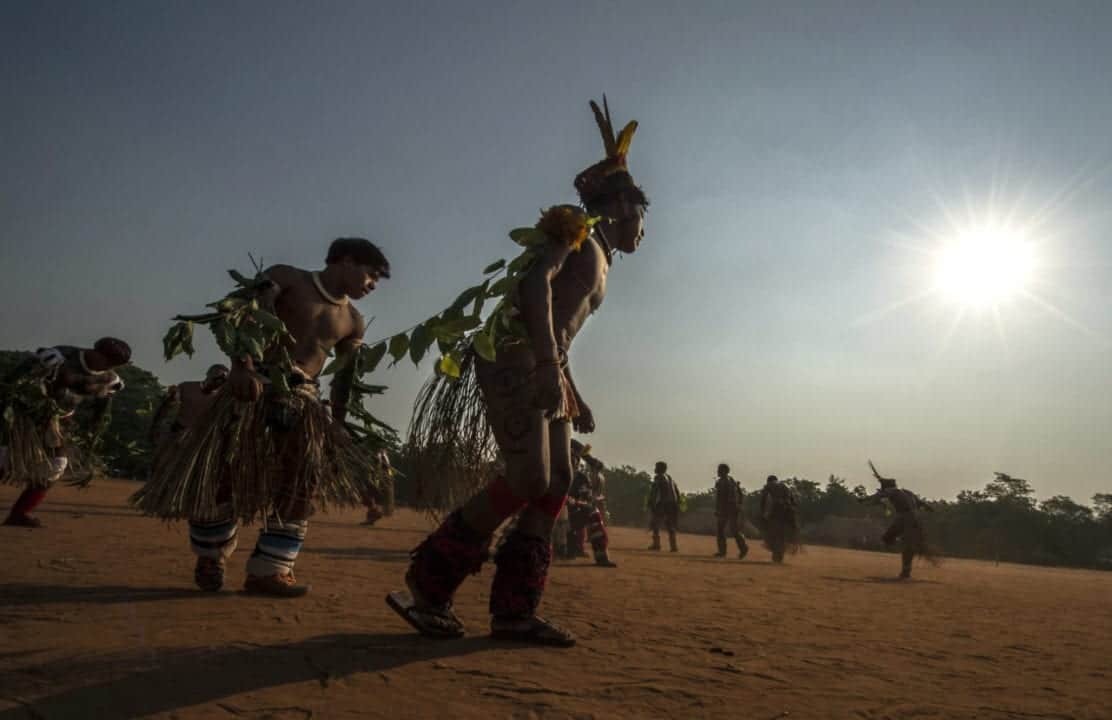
(530, 404)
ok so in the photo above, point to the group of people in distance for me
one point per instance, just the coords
(254, 442)
(778, 505)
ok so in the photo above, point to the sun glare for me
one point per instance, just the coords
(984, 266)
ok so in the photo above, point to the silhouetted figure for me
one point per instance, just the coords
(779, 512)
(728, 499)
(664, 505)
(907, 526)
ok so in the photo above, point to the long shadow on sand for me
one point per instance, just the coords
(27, 594)
(360, 553)
(873, 579)
(185, 678)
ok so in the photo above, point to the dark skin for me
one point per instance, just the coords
(192, 400)
(559, 293)
(317, 325)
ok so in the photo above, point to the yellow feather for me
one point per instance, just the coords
(625, 137)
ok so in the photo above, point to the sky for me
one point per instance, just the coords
(805, 162)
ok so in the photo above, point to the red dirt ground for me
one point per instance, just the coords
(99, 619)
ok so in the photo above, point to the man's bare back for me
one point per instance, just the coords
(193, 401)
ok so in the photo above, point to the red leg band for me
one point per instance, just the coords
(28, 501)
(549, 505)
(502, 499)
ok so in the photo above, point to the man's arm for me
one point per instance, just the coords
(585, 422)
(535, 293)
(340, 392)
(101, 417)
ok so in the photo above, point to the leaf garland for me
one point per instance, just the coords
(461, 325)
(241, 327)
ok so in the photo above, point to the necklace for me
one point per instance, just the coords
(325, 294)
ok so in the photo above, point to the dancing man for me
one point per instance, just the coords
(35, 397)
(532, 404)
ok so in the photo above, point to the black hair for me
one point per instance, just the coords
(724, 466)
(361, 251)
(114, 350)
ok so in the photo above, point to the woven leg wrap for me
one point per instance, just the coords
(277, 548)
(599, 539)
(214, 538)
(522, 573)
(444, 560)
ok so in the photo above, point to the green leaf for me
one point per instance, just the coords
(419, 341)
(518, 233)
(338, 363)
(494, 266)
(239, 278)
(477, 308)
(225, 335)
(204, 318)
(171, 342)
(528, 237)
(279, 380)
(449, 366)
(503, 286)
(457, 327)
(371, 357)
(366, 389)
(399, 344)
(522, 262)
(187, 339)
(468, 295)
(269, 321)
(484, 345)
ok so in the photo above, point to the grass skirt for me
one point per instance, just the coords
(278, 455)
(782, 529)
(30, 445)
(451, 453)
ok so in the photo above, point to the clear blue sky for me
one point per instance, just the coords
(796, 155)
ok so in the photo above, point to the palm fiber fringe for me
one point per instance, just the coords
(234, 453)
(451, 453)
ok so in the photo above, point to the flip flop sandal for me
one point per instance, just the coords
(430, 622)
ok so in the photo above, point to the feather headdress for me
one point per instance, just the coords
(610, 175)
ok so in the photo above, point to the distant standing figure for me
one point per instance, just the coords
(664, 504)
(907, 526)
(779, 507)
(728, 497)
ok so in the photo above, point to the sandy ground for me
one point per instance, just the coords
(98, 619)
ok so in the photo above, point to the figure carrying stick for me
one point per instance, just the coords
(907, 526)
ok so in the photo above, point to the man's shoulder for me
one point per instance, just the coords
(286, 273)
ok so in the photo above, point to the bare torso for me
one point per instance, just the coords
(316, 324)
(577, 291)
(192, 403)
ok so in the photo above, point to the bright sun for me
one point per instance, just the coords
(984, 265)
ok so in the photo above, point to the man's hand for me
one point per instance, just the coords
(585, 422)
(243, 384)
(550, 389)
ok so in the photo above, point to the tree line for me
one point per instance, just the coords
(1002, 522)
